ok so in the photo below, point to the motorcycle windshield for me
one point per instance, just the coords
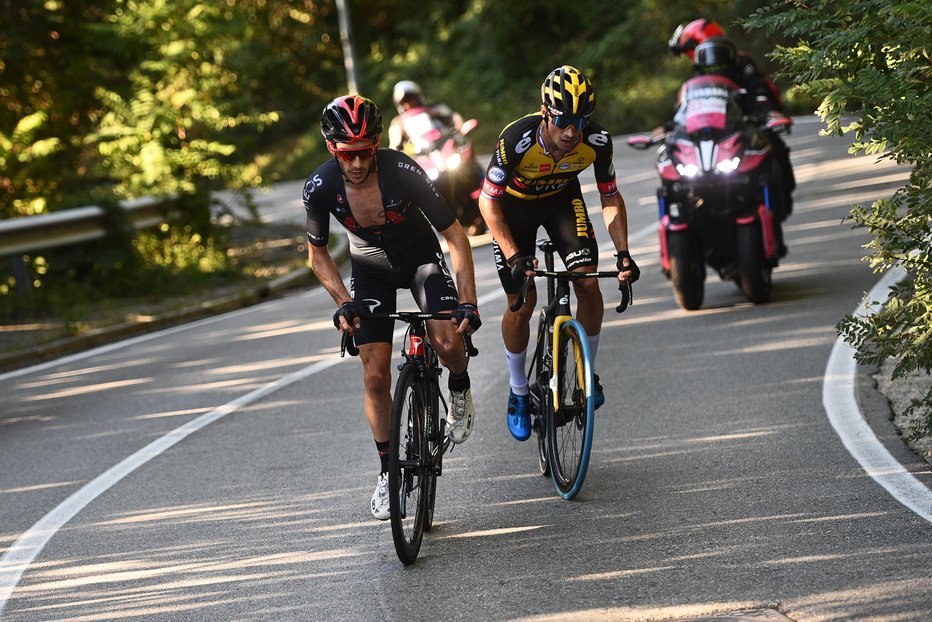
(709, 104)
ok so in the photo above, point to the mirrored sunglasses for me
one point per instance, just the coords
(564, 121)
(348, 155)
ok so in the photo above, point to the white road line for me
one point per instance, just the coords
(839, 398)
(28, 546)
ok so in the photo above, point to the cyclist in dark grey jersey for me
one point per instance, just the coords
(390, 210)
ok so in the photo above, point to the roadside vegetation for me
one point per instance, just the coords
(870, 65)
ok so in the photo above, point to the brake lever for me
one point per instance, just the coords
(347, 345)
(522, 295)
(627, 296)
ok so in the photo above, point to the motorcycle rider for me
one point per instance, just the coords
(418, 134)
(763, 95)
(408, 95)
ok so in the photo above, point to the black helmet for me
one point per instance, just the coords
(568, 92)
(350, 118)
(717, 55)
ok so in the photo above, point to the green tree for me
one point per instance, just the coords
(869, 63)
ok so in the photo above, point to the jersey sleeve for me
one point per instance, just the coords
(318, 216)
(604, 165)
(499, 170)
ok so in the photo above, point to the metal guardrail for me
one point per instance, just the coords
(29, 234)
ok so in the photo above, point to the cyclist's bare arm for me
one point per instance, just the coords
(616, 221)
(492, 214)
(461, 258)
(328, 274)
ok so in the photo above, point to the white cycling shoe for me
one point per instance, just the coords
(461, 416)
(379, 505)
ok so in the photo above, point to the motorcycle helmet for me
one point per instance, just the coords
(350, 118)
(686, 38)
(717, 55)
(567, 92)
(405, 90)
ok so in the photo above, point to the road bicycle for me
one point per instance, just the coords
(561, 379)
(418, 437)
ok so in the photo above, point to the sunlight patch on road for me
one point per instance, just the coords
(494, 532)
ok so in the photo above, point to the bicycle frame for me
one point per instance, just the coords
(544, 376)
(415, 459)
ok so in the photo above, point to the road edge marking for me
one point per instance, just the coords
(839, 398)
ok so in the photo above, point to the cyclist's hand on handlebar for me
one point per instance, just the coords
(628, 270)
(347, 317)
(520, 265)
(466, 318)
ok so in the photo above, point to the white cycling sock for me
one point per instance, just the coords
(593, 345)
(518, 377)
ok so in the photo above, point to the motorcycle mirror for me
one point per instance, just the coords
(468, 126)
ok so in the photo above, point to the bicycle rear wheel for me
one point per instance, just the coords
(571, 418)
(407, 482)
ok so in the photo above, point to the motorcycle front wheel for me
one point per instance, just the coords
(687, 270)
(754, 269)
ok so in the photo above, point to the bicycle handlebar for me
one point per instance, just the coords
(625, 287)
(347, 346)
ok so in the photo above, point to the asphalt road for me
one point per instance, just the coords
(222, 469)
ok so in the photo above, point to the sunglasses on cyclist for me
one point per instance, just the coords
(348, 155)
(564, 121)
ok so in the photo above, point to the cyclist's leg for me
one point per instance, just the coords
(433, 288)
(524, 219)
(372, 288)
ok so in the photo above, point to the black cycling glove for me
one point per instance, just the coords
(519, 265)
(348, 310)
(468, 311)
(633, 267)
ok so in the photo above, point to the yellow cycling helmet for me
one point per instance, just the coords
(568, 93)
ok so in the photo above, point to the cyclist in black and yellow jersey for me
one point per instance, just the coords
(533, 181)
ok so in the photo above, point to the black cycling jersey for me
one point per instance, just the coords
(411, 205)
(521, 165)
(402, 252)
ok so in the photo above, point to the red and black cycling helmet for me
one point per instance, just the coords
(686, 38)
(351, 118)
(567, 92)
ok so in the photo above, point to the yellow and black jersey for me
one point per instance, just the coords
(521, 165)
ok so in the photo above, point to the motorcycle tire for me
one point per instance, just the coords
(687, 270)
(754, 271)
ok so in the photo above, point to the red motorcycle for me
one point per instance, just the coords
(717, 193)
(447, 156)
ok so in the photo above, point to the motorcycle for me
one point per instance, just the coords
(447, 156)
(718, 193)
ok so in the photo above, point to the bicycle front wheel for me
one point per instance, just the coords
(407, 477)
(571, 418)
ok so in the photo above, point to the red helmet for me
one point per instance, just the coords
(687, 37)
(351, 118)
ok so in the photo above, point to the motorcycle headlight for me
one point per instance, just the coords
(687, 170)
(454, 160)
(727, 166)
